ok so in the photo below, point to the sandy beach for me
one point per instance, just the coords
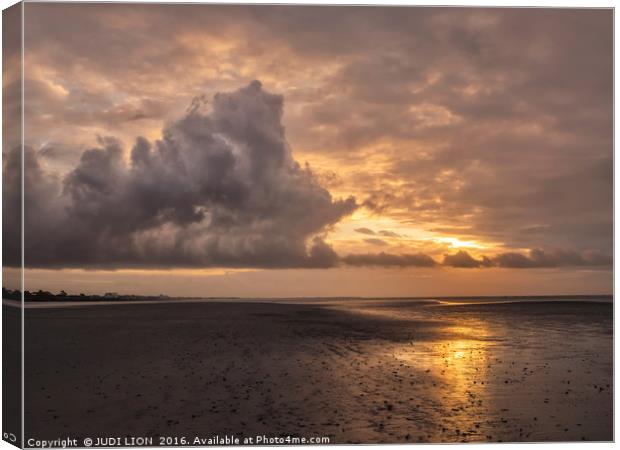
(357, 371)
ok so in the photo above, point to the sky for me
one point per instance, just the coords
(275, 151)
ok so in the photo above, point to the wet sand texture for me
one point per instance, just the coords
(360, 372)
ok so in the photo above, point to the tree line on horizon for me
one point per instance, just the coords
(47, 296)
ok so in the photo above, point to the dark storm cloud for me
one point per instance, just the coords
(220, 188)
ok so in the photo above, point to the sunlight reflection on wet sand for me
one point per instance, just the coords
(460, 367)
(508, 374)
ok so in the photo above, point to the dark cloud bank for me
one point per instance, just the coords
(536, 258)
(219, 189)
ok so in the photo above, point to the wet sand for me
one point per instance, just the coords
(357, 371)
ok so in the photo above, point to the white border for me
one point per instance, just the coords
(472, 3)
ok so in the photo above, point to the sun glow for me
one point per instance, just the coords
(457, 243)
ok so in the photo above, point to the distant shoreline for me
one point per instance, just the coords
(14, 298)
(136, 298)
(70, 301)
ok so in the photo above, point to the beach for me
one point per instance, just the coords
(353, 370)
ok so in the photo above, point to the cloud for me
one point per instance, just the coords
(220, 188)
(389, 260)
(538, 258)
(535, 258)
(388, 233)
(369, 232)
(365, 230)
(464, 260)
(485, 124)
(501, 118)
(375, 241)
